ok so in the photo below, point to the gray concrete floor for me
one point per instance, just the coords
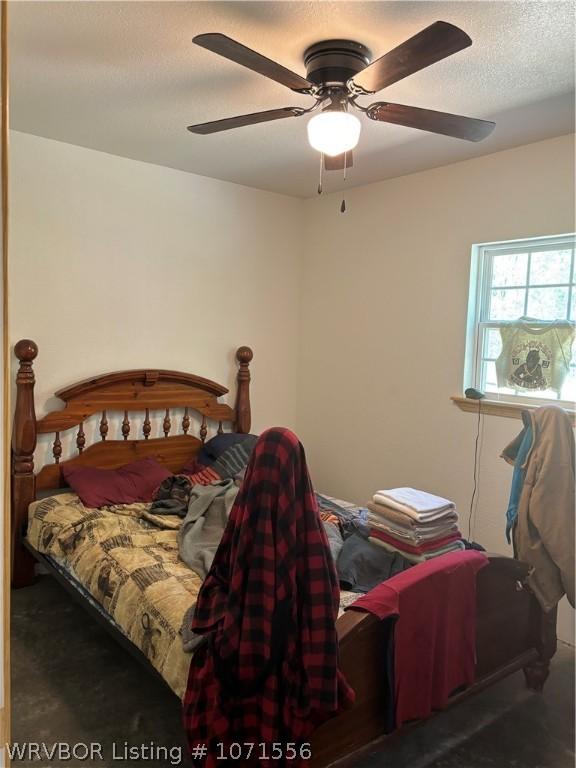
(72, 683)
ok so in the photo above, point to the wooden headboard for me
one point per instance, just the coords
(124, 393)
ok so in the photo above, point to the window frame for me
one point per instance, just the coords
(479, 302)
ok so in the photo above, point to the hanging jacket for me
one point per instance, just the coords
(268, 671)
(521, 450)
(543, 528)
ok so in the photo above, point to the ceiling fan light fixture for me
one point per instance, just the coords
(333, 132)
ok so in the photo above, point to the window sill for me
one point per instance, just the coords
(500, 408)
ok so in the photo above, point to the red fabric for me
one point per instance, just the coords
(192, 466)
(435, 634)
(131, 483)
(418, 549)
(203, 476)
(269, 671)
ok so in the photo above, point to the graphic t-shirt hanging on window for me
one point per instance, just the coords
(535, 355)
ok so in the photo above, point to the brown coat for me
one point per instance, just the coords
(544, 528)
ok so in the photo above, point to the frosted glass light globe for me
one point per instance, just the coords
(333, 132)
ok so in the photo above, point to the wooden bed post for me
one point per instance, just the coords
(23, 445)
(243, 415)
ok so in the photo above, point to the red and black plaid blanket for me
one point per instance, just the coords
(269, 671)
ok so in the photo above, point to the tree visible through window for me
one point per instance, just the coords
(533, 280)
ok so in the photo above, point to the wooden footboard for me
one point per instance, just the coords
(511, 633)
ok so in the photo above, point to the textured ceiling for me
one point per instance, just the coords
(124, 77)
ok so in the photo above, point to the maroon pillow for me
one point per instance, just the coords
(192, 466)
(133, 482)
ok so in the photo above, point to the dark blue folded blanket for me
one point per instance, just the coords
(363, 565)
(234, 459)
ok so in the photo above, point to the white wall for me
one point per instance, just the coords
(118, 264)
(384, 300)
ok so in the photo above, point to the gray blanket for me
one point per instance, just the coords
(199, 537)
(202, 528)
(190, 640)
(234, 460)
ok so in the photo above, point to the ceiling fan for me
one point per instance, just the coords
(338, 72)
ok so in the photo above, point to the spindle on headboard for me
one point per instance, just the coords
(147, 428)
(185, 422)
(166, 424)
(80, 438)
(23, 444)
(103, 426)
(57, 448)
(203, 429)
(125, 426)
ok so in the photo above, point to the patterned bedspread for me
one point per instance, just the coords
(127, 561)
(130, 566)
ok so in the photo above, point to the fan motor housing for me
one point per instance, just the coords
(334, 62)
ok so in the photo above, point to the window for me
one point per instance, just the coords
(532, 280)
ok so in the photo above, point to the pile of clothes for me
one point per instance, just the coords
(203, 494)
(360, 565)
(415, 524)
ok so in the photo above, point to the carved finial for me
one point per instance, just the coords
(244, 355)
(150, 378)
(26, 350)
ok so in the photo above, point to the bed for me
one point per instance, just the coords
(512, 631)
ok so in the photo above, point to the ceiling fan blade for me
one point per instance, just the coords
(457, 126)
(337, 163)
(432, 44)
(237, 122)
(230, 49)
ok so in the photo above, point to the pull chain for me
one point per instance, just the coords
(343, 204)
(321, 166)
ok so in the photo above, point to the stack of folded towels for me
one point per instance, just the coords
(414, 523)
